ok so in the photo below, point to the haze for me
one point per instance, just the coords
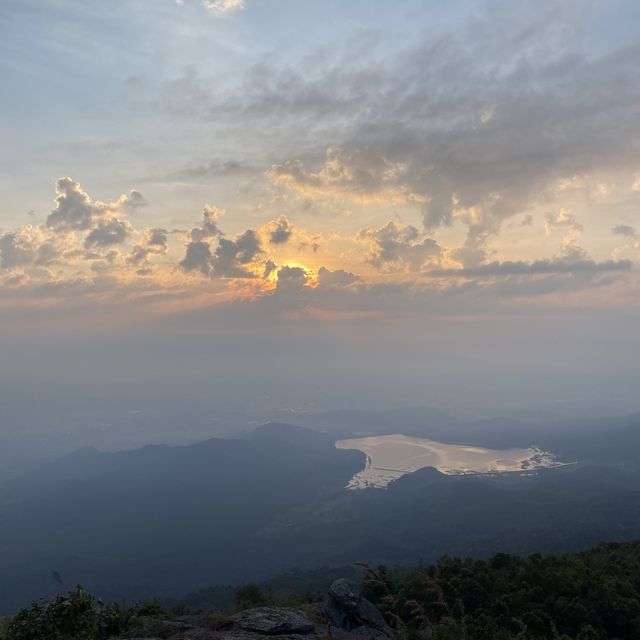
(248, 206)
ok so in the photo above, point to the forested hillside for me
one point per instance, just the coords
(592, 595)
(163, 521)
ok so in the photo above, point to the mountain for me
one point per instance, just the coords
(164, 520)
(161, 518)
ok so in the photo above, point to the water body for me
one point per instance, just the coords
(390, 457)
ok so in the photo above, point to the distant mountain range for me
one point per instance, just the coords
(164, 520)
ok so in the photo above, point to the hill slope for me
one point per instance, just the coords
(166, 520)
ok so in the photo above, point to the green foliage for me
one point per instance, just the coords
(77, 615)
(255, 595)
(80, 616)
(592, 595)
(295, 587)
(152, 608)
(4, 628)
(250, 595)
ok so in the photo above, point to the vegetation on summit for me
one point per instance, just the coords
(592, 595)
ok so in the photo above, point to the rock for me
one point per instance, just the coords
(348, 611)
(345, 615)
(345, 593)
(273, 621)
(170, 628)
(152, 628)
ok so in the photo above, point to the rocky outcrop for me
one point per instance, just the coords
(344, 615)
(274, 621)
(348, 612)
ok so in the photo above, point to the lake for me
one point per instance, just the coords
(392, 456)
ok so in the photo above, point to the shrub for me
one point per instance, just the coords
(250, 595)
(77, 615)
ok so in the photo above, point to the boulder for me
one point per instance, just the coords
(273, 621)
(348, 611)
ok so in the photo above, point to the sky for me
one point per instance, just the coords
(317, 205)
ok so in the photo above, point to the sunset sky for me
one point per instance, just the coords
(417, 201)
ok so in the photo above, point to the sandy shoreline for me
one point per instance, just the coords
(392, 456)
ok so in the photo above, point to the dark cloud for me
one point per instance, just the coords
(154, 242)
(399, 247)
(157, 238)
(133, 201)
(209, 227)
(624, 230)
(313, 243)
(197, 258)
(231, 256)
(280, 231)
(107, 233)
(291, 279)
(269, 267)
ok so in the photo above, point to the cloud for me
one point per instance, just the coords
(474, 251)
(395, 247)
(154, 242)
(133, 201)
(624, 230)
(232, 256)
(313, 242)
(34, 245)
(112, 257)
(565, 219)
(291, 279)
(230, 259)
(209, 227)
(280, 231)
(562, 219)
(19, 248)
(107, 233)
(74, 209)
(197, 258)
(453, 123)
(221, 6)
(269, 267)
(557, 266)
(358, 174)
(337, 278)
